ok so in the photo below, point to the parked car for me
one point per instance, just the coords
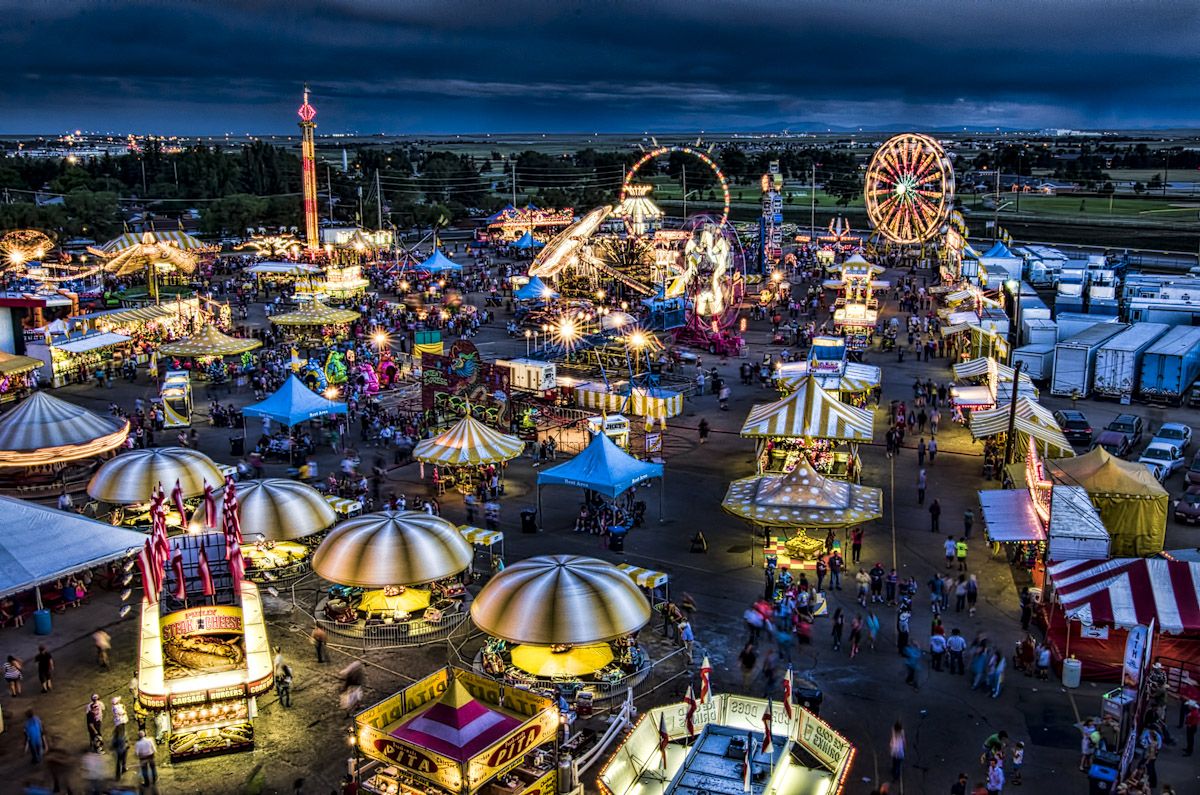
(1074, 426)
(1116, 444)
(1162, 458)
(1187, 509)
(1193, 472)
(1176, 433)
(1128, 424)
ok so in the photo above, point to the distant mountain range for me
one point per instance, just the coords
(818, 127)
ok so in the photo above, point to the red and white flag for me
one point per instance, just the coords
(180, 583)
(148, 565)
(766, 719)
(746, 763)
(237, 566)
(664, 739)
(232, 520)
(705, 680)
(210, 507)
(787, 692)
(177, 499)
(690, 716)
(206, 579)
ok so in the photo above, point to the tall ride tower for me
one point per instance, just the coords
(308, 172)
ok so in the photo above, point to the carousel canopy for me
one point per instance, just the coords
(602, 467)
(535, 289)
(392, 548)
(456, 724)
(11, 364)
(1125, 592)
(276, 509)
(284, 269)
(40, 544)
(132, 476)
(526, 242)
(316, 314)
(293, 403)
(802, 498)
(44, 429)
(468, 443)
(438, 262)
(560, 599)
(209, 342)
(810, 412)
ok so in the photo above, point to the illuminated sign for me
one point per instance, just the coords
(827, 745)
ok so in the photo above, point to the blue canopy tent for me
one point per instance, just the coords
(601, 467)
(439, 262)
(526, 242)
(534, 290)
(293, 403)
(999, 251)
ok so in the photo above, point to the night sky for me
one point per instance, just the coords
(414, 66)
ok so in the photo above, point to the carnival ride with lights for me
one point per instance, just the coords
(909, 189)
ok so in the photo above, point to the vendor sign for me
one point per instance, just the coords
(203, 640)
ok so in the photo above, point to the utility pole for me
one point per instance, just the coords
(684, 171)
(145, 190)
(514, 184)
(1010, 437)
(329, 191)
(996, 206)
(378, 200)
(175, 165)
(812, 204)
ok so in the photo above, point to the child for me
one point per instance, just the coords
(1018, 759)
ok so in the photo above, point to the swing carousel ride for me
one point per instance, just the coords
(687, 277)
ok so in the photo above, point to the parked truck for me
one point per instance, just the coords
(1170, 365)
(1037, 360)
(1119, 359)
(1075, 359)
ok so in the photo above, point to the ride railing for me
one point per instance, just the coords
(396, 635)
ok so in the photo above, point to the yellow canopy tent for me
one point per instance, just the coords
(209, 342)
(1131, 503)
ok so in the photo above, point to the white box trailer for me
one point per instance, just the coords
(1075, 359)
(1119, 360)
(530, 375)
(1037, 360)
(1072, 323)
(1039, 330)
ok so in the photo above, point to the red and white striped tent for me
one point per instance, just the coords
(1125, 592)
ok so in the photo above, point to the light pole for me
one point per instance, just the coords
(528, 334)
(1014, 287)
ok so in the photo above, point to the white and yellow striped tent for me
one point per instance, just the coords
(645, 578)
(810, 412)
(481, 537)
(210, 342)
(1033, 420)
(855, 378)
(802, 498)
(316, 313)
(468, 443)
(661, 404)
(178, 238)
(994, 371)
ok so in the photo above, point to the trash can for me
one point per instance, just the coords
(41, 622)
(1102, 780)
(529, 520)
(1072, 672)
(808, 697)
(237, 446)
(616, 538)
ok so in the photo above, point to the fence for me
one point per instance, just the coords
(397, 635)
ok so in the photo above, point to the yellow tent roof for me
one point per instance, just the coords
(810, 412)
(802, 498)
(210, 342)
(468, 443)
(316, 314)
(12, 365)
(1099, 472)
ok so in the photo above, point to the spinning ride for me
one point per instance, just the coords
(909, 188)
(687, 150)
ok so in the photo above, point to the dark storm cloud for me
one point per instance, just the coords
(419, 66)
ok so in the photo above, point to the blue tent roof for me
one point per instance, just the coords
(999, 251)
(602, 467)
(526, 241)
(439, 262)
(496, 216)
(535, 289)
(294, 403)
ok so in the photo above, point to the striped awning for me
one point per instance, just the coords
(985, 366)
(11, 364)
(316, 313)
(177, 238)
(645, 578)
(480, 537)
(810, 412)
(468, 443)
(995, 421)
(376, 550)
(277, 509)
(131, 477)
(957, 328)
(560, 599)
(210, 342)
(653, 402)
(343, 506)
(92, 342)
(1126, 592)
(855, 378)
(957, 297)
(44, 429)
(1027, 409)
(802, 498)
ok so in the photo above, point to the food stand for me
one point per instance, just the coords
(725, 734)
(856, 310)
(809, 422)
(457, 733)
(176, 396)
(850, 382)
(486, 543)
(204, 659)
(396, 577)
(17, 376)
(571, 622)
(74, 359)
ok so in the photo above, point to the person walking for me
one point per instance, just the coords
(951, 548)
(836, 564)
(935, 516)
(921, 481)
(1191, 722)
(933, 451)
(960, 553)
(283, 685)
(839, 624)
(35, 736)
(146, 751)
(912, 666)
(921, 452)
(995, 673)
(318, 640)
(13, 675)
(45, 668)
(703, 430)
(822, 570)
(864, 586)
(972, 594)
(896, 746)
(103, 643)
(94, 719)
(856, 542)
(687, 638)
(903, 620)
(747, 659)
(1151, 742)
(120, 749)
(856, 627)
(956, 646)
(937, 651)
(995, 777)
(968, 522)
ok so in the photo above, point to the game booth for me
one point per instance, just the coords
(395, 578)
(564, 624)
(457, 733)
(731, 744)
(988, 384)
(856, 310)
(850, 382)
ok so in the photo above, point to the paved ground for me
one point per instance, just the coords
(946, 722)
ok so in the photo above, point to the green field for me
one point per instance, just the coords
(1174, 210)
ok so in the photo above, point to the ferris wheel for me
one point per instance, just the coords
(909, 188)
